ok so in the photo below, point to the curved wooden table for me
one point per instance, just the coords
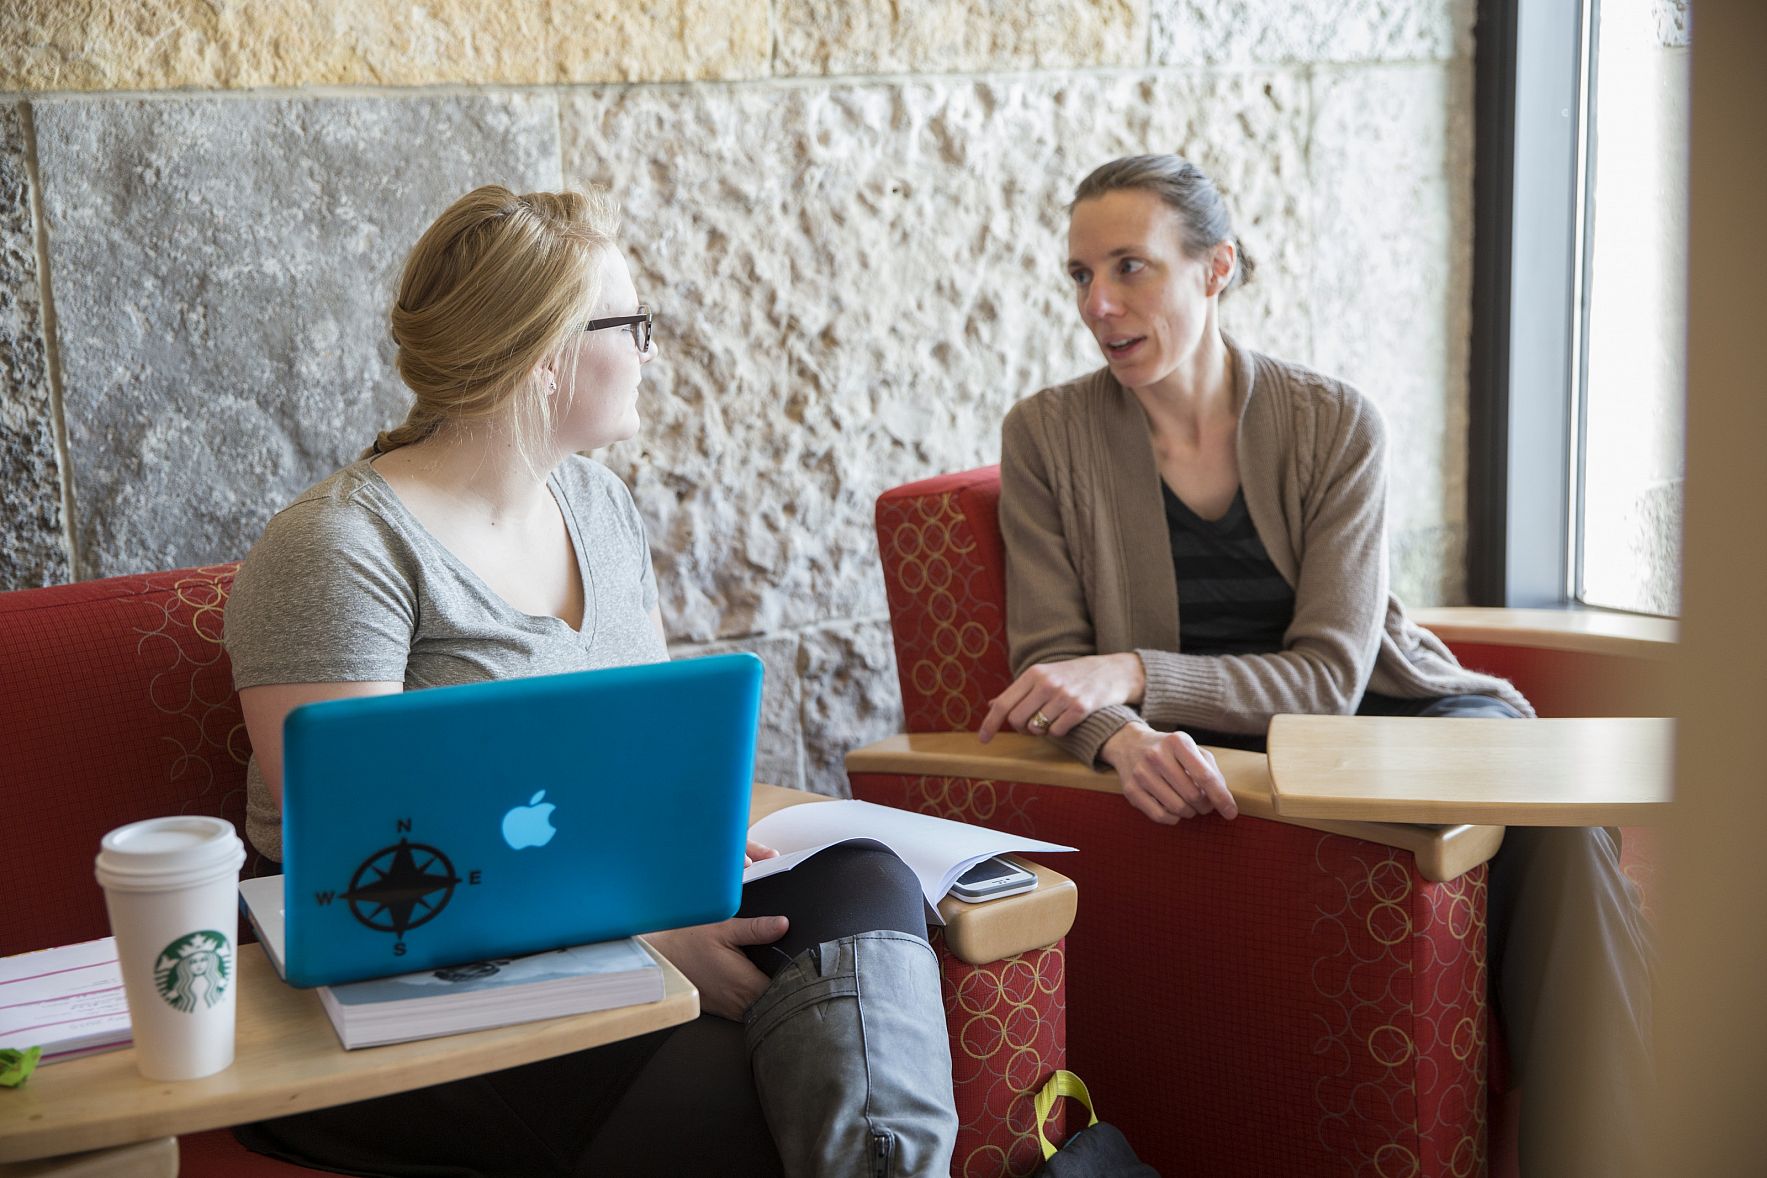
(1598, 771)
(1442, 852)
(288, 1060)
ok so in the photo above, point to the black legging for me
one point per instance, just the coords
(677, 1101)
(858, 886)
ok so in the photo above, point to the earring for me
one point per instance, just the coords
(551, 386)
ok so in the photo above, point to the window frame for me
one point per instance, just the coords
(1530, 155)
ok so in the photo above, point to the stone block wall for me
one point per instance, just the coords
(847, 214)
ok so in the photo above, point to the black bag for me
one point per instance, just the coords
(1097, 1151)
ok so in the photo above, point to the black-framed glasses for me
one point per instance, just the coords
(638, 325)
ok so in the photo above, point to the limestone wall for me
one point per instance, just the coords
(847, 216)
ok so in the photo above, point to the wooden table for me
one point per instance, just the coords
(1442, 852)
(1603, 771)
(288, 1060)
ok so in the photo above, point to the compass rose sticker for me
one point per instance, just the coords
(401, 887)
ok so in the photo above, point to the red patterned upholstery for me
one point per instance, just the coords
(945, 577)
(1246, 998)
(1301, 1003)
(1008, 1036)
(117, 704)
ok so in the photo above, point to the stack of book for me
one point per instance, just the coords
(471, 997)
(68, 1001)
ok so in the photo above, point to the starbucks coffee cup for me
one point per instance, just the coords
(172, 888)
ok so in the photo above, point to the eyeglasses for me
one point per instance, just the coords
(638, 325)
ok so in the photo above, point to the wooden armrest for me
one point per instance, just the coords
(1585, 631)
(1442, 852)
(975, 933)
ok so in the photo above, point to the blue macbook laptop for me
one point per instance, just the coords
(457, 824)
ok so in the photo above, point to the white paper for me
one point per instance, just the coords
(67, 1001)
(937, 850)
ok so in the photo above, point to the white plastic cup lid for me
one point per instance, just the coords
(168, 852)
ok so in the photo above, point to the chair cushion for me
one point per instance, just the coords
(945, 577)
(117, 704)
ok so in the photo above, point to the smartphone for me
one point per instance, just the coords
(991, 879)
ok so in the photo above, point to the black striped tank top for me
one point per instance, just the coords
(1231, 599)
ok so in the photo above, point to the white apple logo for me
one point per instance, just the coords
(529, 825)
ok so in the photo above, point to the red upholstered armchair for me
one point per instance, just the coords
(1259, 997)
(117, 704)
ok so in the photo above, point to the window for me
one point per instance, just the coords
(1580, 198)
(1633, 372)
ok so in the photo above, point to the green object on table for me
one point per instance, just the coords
(16, 1066)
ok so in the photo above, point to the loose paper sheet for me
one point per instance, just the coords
(937, 850)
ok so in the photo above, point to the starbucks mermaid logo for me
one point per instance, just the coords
(196, 967)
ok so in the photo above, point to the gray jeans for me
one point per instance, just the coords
(847, 1046)
(854, 1077)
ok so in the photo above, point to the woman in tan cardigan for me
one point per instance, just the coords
(1196, 542)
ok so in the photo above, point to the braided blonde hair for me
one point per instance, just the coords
(498, 284)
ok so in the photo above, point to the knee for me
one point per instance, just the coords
(1470, 707)
(866, 867)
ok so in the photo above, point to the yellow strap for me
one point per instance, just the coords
(1061, 1084)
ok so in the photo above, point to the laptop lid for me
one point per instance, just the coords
(456, 824)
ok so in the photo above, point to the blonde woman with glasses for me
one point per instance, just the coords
(475, 541)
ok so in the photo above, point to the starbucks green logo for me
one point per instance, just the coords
(195, 967)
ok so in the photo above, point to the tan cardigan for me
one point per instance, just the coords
(1089, 557)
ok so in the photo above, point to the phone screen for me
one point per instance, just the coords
(986, 871)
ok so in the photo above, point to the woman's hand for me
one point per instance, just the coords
(756, 852)
(1167, 775)
(712, 958)
(1050, 698)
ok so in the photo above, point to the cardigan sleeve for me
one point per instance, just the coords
(1340, 562)
(1047, 619)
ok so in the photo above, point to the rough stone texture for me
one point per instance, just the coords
(1391, 287)
(779, 752)
(234, 44)
(851, 698)
(1428, 564)
(1195, 32)
(1632, 548)
(1656, 519)
(223, 273)
(660, 40)
(1674, 21)
(854, 282)
(33, 541)
(941, 36)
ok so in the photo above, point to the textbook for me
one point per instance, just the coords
(68, 1001)
(937, 850)
(471, 997)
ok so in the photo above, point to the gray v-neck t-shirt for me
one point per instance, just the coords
(347, 586)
